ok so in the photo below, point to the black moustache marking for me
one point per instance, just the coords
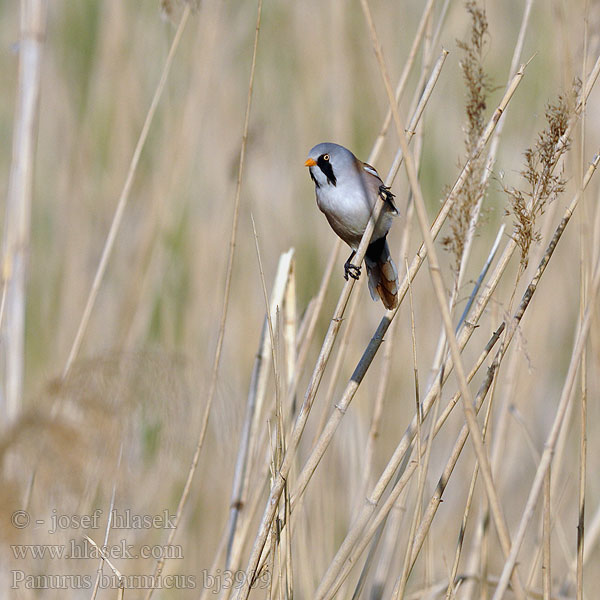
(375, 249)
(327, 169)
(317, 184)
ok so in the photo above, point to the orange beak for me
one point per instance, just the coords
(310, 163)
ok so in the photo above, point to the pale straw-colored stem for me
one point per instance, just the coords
(369, 354)
(355, 543)
(402, 81)
(547, 455)
(17, 220)
(124, 197)
(217, 357)
(487, 171)
(297, 432)
(255, 398)
(468, 505)
(439, 289)
(584, 260)
(298, 429)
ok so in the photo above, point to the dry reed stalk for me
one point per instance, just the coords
(280, 481)
(392, 532)
(512, 326)
(151, 259)
(336, 320)
(416, 117)
(422, 469)
(386, 367)
(369, 354)
(546, 554)
(533, 285)
(243, 528)
(442, 483)
(378, 145)
(290, 324)
(484, 171)
(591, 537)
(283, 280)
(413, 336)
(395, 461)
(559, 451)
(546, 459)
(300, 423)
(375, 151)
(124, 198)
(559, 530)
(438, 285)
(106, 559)
(17, 220)
(588, 85)
(418, 113)
(390, 543)
(354, 545)
(583, 368)
(289, 343)
(481, 278)
(554, 522)
(338, 363)
(580, 555)
(378, 405)
(278, 451)
(107, 530)
(217, 357)
(311, 325)
(450, 591)
(406, 470)
(427, 403)
(298, 429)
(527, 296)
(561, 143)
(257, 442)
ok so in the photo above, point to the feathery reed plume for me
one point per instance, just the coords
(525, 205)
(478, 86)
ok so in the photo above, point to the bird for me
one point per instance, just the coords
(347, 190)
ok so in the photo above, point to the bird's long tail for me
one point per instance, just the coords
(383, 276)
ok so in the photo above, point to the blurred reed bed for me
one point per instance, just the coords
(301, 455)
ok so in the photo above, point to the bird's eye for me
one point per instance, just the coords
(326, 157)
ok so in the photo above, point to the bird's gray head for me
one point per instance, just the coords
(326, 161)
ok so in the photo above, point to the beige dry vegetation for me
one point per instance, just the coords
(178, 397)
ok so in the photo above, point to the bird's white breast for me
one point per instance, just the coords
(348, 209)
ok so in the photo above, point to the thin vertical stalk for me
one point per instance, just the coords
(468, 504)
(369, 354)
(217, 357)
(17, 223)
(439, 289)
(546, 547)
(583, 372)
(549, 446)
(124, 197)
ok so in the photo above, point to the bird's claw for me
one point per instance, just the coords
(351, 270)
